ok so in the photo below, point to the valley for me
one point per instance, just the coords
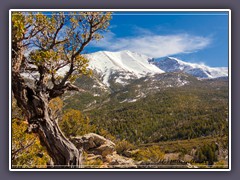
(174, 111)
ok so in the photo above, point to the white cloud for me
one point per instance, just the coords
(154, 45)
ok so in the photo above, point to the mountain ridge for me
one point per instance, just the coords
(131, 65)
(172, 64)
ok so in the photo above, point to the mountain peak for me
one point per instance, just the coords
(172, 64)
(126, 64)
(122, 52)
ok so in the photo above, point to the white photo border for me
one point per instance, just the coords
(122, 10)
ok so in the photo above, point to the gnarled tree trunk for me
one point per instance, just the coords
(35, 104)
(60, 149)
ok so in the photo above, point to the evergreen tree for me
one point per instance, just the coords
(55, 41)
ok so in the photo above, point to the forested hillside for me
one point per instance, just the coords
(195, 110)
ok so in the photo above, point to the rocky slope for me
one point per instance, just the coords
(101, 153)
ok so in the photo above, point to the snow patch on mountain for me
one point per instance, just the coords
(129, 100)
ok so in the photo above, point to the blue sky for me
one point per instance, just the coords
(200, 37)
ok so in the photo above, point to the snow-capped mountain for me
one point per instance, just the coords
(171, 64)
(125, 64)
(127, 77)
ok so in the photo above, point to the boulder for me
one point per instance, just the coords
(116, 161)
(94, 144)
(91, 157)
(100, 148)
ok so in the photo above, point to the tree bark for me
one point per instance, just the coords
(35, 105)
(63, 152)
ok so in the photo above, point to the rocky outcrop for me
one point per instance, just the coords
(101, 153)
(94, 144)
(116, 161)
(99, 149)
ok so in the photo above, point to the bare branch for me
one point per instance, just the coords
(56, 34)
(58, 91)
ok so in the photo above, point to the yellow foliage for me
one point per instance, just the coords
(27, 151)
(18, 25)
(150, 154)
(220, 164)
(58, 39)
(56, 106)
(123, 146)
(42, 57)
(75, 123)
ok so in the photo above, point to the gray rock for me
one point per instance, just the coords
(98, 147)
(94, 144)
(116, 161)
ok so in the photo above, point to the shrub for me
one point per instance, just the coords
(91, 163)
(75, 123)
(27, 151)
(122, 147)
(220, 164)
(152, 154)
